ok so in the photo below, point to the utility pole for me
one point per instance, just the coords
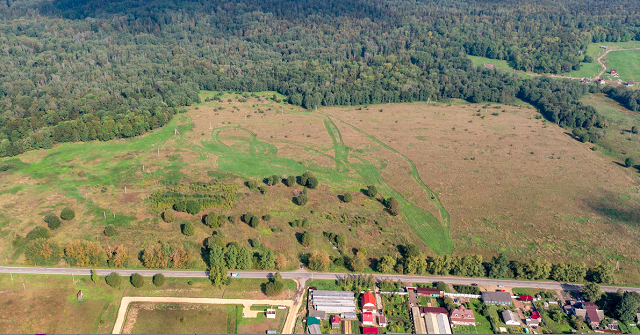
(11, 274)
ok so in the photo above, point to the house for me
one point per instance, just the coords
(587, 312)
(510, 318)
(428, 292)
(603, 47)
(335, 322)
(382, 321)
(322, 315)
(312, 321)
(534, 320)
(586, 80)
(614, 72)
(369, 330)
(368, 302)
(497, 298)
(272, 331)
(333, 302)
(313, 329)
(630, 84)
(462, 316)
(367, 318)
(638, 318)
(601, 81)
(271, 313)
(525, 298)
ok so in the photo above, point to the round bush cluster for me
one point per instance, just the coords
(109, 230)
(52, 221)
(67, 214)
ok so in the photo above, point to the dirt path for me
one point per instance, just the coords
(288, 326)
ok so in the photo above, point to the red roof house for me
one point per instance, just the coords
(335, 322)
(367, 319)
(368, 302)
(535, 315)
(526, 298)
(433, 310)
(369, 330)
(429, 292)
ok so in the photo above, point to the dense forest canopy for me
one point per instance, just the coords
(85, 70)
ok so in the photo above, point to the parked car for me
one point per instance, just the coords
(235, 274)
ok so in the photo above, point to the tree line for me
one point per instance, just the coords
(89, 70)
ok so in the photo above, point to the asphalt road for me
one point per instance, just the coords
(303, 274)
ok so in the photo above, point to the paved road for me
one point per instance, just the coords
(303, 274)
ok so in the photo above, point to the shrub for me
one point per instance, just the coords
(52, 221)
(168, 216)
(158, 280)
(393, 206)
(305, 239)
(262, 189)
(347, 197)
(42, 252)
(634, 129)
(67, 214)
(214, 220)
(372, 191)
(629, 162)
(113, 280)
(180, 206)
(136, 280)
(301, 200)
(109, 230)
(290, 181)
(251, 184)
(266, 217)
(193, 207)
(38, 232)
(188, 229)
(312, 182)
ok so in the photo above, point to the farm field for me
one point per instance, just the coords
(53, 299)
(181, 319)
(627, 63)
(504, 186)
(469, 178)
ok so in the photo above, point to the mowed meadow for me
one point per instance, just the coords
(470, 178)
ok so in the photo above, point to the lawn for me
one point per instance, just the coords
(184, 318)
(261, 324)
(634, 329)
(483, 325)
(321, 284)
(556, 327)
(466, 330)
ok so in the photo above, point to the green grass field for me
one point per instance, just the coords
(173, 319)
(626, 62)
(53, 298)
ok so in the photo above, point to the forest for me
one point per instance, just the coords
(96, 70)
